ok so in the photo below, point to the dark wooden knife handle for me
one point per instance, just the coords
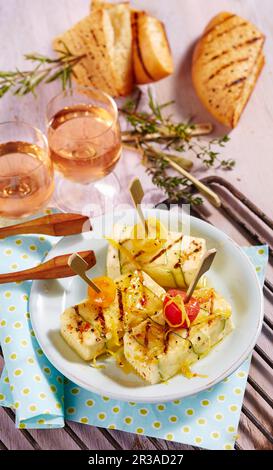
(56, 268)
(58, 225)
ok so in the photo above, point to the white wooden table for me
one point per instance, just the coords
(30, 25)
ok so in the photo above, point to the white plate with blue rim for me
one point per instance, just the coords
(232, 274)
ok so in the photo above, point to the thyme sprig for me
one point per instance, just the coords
(46, 69)
(159, 138)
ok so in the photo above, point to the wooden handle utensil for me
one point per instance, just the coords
(57, 225)
(55, 268)
(204, 266)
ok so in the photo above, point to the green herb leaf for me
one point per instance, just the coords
(47, 70)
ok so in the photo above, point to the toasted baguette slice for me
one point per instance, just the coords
(227, 61)
(104, 38)
(152, 57)
(119, 41)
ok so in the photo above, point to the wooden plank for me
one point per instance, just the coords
(2, 446)
(54, 439)
(250, 438)
(250, 146)
(131, 441)
(91, 436)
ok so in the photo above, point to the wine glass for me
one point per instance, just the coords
(85, 145)
(26, 170)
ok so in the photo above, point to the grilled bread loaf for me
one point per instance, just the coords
(227, 61)
(152, 59)
(104, 39)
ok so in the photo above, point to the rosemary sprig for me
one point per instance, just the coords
(160, 139)
(46, 69)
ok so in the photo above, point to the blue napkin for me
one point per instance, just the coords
(43, 398)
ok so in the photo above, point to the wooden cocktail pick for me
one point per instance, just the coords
(205, 190)
(204, 266)
(56, 268)
(137, 194)
(58, 225)
(79, 266)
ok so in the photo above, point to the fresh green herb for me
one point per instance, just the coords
(159, 139)
(46, 69)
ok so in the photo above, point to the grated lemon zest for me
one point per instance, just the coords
(112, 353)
(94, 362)
(114, 340)
(187, 372)
(180, 304)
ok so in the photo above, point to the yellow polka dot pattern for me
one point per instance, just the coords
(84, 420)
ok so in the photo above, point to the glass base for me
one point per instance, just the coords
(92, 199)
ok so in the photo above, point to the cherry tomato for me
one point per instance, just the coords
(107, 294)
(172, 311)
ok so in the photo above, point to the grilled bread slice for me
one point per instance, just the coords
(227, 61)
(104, 39)
(82, 331)
(158, 352)
(152, 56)
(84, 39)
(118, 33)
